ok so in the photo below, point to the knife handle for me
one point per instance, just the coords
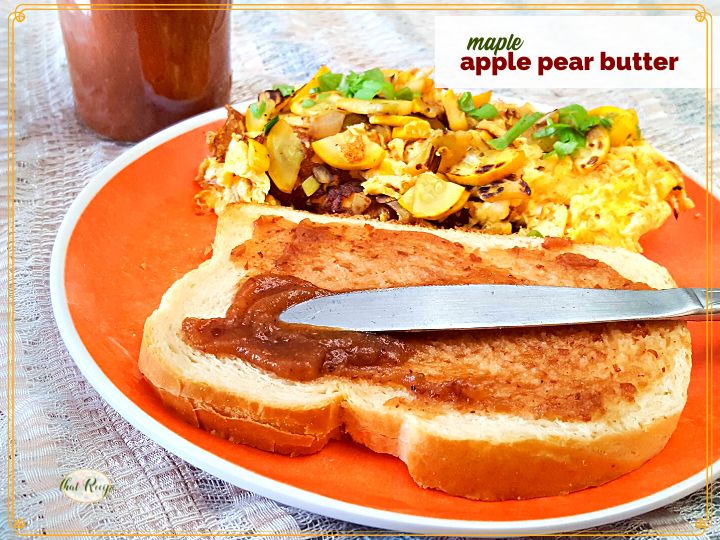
(708, 301)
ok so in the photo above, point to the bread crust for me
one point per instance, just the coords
(476, 465)
(530, 468)
(285, 430)
(475, 469)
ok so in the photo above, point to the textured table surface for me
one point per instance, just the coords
(60, 422)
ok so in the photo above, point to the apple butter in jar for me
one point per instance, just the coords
(136, 71)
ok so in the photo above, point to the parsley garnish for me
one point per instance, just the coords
(353, 82)
(570, 131)
(484, 112)
(257, 109)
(535, 234)
(366, 85)
(405, 94)
(270, 124)
(520, 127)
(328, 82)
(550, 129)
(577, 117)
(284, 89)
(564, 148)
(369, 89)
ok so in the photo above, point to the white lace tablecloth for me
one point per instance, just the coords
(60, 422)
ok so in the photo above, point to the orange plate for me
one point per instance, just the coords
(140, 233)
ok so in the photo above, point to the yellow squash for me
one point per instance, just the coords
(390, 120)
(304, 92)
(395, 107)
(286, 153)
(478, 169)
(264, 108)
(432, 197)
(456, 207)
(457, 121)
(258, 157)
(596, 149)
(625, 124)
(452, 146)
(349, 151)
(505, 190)
(481, 99)
(417, 129)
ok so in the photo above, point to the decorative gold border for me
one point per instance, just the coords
(18, 15)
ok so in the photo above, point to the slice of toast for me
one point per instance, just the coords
(543, 411)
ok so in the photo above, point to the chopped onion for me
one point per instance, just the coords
(403, 215)
(322, 174)
(358, 203)
(310, 186)
(326, 124)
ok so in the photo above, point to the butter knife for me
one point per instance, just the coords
(463, 307)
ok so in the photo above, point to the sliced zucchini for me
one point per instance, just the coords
(457, 121)
(396, 107)
(432, 197)
(286, 153)
(304, 92)
(392, 120)
(503, 190)
(482, 167)
(417, 129)
(625, 124)
(595, 151)
(349, 151)
(452, 147)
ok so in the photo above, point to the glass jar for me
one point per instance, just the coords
(135, 71)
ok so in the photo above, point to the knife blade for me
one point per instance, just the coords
(463, 307)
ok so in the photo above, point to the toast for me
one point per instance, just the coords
(487, 415)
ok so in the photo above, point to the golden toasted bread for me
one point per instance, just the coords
(488, 415)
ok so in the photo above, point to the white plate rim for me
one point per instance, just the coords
(274, 489)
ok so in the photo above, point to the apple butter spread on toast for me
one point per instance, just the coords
(566, 373)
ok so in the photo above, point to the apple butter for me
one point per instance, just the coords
(134, 72)
(251, 331)
(568, 373)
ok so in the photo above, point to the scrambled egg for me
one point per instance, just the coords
(613, 204)
(241, 176)
(389, 145)
(388, 179)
